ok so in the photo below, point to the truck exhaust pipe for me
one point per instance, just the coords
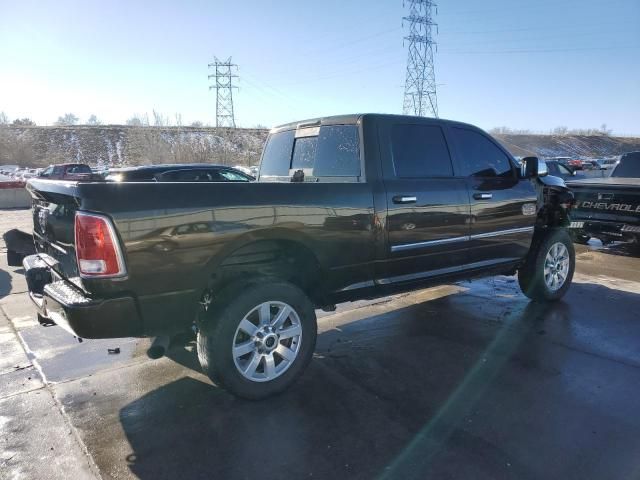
(158, 347)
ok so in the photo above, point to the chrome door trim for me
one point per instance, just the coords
(498, 233)
(431, 243)
(466, 238)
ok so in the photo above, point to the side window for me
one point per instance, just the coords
(47, 172)
(420, 151)
(231, 176)
(276, 158)
(74, 169)
(479, 156)
(57, 171)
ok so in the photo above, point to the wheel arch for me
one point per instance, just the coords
(281, 253)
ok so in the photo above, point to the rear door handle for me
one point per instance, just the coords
(404, 199)
(483, 196)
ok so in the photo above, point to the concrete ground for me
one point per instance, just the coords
(461, 381)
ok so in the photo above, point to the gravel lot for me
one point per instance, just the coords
(461, 381)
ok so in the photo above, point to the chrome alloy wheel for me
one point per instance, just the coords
(267, 341)
(556, 266)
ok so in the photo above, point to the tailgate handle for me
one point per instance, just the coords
(483, 196)
(404, 199)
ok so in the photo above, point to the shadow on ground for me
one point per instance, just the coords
(5, 283)
(443, 388)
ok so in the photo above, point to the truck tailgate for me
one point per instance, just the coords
(54, 204)
(608, 199)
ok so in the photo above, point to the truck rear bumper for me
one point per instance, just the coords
(65, 304)
(607, 229)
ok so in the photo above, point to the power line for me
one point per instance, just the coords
(420, 83)
(538, 50)
(224, 91)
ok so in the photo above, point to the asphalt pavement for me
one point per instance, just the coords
(469, 380)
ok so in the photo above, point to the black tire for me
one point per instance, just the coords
(580, 237)
(217, 333)
(531, 276)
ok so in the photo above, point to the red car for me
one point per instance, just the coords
(572, 163)
(575, 164)
(67, 171)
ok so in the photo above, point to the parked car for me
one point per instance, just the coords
(194, 172)
(68, 171)
(557, 169)
(607, 163)
(591, 164)
(345, 208)
(575, 164)
(609, 208)
(567, 161)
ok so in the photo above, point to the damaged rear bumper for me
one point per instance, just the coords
(69, 307)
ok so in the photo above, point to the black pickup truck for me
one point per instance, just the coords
(344, 208)
(609, 208)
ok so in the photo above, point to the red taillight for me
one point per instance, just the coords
(97, 247)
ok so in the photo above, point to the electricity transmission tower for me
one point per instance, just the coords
(224, 91)
(420, 84)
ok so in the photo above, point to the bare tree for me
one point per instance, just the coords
(178, 119)
(93, 120)
(138, 121)
(197, 124)
(508, 131)
(23, 122)
(4, 120)
(67, 119)
(160, 120)
(561, 130)
(134, 122)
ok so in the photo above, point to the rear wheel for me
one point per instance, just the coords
(548, 271)
(256, 339)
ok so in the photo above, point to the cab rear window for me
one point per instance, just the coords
(328, 151)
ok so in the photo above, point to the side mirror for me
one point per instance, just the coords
(533, 167)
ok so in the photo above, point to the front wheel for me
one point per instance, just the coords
(549, 269)
(256, 339)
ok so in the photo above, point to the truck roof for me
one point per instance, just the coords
(167, 166)
(354, 118)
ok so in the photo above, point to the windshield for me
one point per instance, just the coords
(75, 169)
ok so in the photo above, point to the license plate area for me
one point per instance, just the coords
(38, 272)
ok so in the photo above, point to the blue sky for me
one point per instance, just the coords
(523, 64)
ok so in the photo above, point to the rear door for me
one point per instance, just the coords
(427, 206)
(503, 207)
